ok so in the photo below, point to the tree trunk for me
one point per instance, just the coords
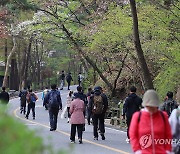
(118, 75)
(5, 80)
(140, 54)
(86, 57)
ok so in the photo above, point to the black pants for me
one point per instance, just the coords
(128, 121)
(79, 131)
(100, 118)
(69, 83)
(53, 114)
(69, 115)
(79, 82)
(23, 106)
(31, 106)
(88, 116)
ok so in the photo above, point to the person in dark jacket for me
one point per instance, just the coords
(131, 105)
(62, 79)
(4, 96)
(169, 105)
(53, 99)
(23, 93)
(98, 116)
(69, 79)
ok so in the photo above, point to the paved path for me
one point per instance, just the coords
(114, 143)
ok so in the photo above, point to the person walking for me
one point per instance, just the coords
(89, 112)
(80, 79)
(77, 109)
(53, 99)
(98, 105)
(174, 121)
(83, 97)
(31, 100)
(69, 100)
(23, 93)
(44, 93)
(69, 79)
(62, 78)
(169, 105)
(4, 96)
(131, 105)
(150, 132)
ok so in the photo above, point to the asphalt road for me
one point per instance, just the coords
(59, 139)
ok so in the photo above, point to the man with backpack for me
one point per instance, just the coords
(98, 104)
(80, 79)
(23, 93)
(69, 79)
(131, 105)
(169, 105)
(31, 100)
(53, 99)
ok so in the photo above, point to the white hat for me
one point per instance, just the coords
(151, 98)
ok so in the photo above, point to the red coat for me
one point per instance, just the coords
(76, 109)
(149, 127)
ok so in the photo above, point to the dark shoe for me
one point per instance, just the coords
(80, 141)
(61, 89)
(33, 118)
(95, 138)
(51, 129)
(21, 111)
(26, 117)
(103, 137)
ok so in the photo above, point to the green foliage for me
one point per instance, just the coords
(16, 138)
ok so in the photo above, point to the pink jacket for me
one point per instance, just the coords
(150, 128)
(76, 109)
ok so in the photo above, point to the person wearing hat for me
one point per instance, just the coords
(98, 104)
(150, 131)
(77, 108)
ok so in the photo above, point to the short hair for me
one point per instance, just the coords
(53, 86)
(79, 88)
(170, 94)
(3, 88)
(133, 89)
(89, 89)
(30, 90)
(46, 87)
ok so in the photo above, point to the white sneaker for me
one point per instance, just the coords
(127, 140)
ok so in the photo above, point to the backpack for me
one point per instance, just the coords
(170, 105)
(53, 101)
(32, 98)
(23, 95)
(98, 104)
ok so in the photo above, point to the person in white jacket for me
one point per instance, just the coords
(68, 103)
(174, 121)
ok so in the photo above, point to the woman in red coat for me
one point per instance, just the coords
(150, 132)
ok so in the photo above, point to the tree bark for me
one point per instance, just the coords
(5, 80)
(140, 54)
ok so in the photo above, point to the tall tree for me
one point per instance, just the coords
(137, 43)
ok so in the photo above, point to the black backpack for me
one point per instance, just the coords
(53, 99)
(170, 105)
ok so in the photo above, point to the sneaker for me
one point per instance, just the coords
(103, 137)
(95, 138)
(33, 118)
(51, 129)
(26, 117)
(127, 140)
(72, 141)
